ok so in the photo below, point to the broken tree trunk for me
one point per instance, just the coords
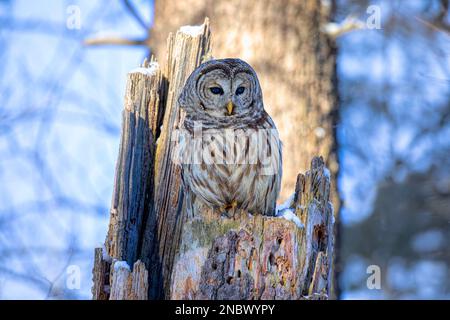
(186, 50)
(174, 256)
(147, 197)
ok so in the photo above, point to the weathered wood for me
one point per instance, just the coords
(186, 50)
(260, 257)
(147, 198)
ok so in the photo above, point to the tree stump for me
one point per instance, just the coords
(260, 257)
(201, 256)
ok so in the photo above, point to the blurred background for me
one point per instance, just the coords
(62, 78)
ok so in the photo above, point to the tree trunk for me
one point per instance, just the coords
(175, 256)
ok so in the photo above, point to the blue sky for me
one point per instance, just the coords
(60, 140)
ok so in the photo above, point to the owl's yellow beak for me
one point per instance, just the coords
(230, 107)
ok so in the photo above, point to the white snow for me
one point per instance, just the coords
(333, 219)
(320, 132)
(350, 23)
(326, 173)
(192, 30)
(121, 264)
(286, 204)
(150, 71)
(105, 254)
(290, 215)
(285, 211)
(107, 34)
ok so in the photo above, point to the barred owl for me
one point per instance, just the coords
(230, 150)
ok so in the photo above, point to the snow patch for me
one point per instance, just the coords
(121, 264)
(290, 215)
(153, 67)
(320, 132)
(192, 31)
(106, 257)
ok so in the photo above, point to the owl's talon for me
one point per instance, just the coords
(229, 209)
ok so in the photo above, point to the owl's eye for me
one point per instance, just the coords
(240, 90)
(216, 90)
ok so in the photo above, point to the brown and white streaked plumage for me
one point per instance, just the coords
(240, 163)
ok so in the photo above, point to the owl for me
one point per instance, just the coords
(230, 151)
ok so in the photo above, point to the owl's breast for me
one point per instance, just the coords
(228, 166)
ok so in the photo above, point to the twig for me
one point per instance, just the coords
(135, 14)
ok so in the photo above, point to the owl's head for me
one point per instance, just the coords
(224, 89)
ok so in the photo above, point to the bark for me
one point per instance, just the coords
(100, 274)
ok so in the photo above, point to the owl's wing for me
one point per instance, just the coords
(189, 196)
(276, 164)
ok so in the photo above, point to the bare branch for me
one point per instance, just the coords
(115, 41)
(135, 14)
